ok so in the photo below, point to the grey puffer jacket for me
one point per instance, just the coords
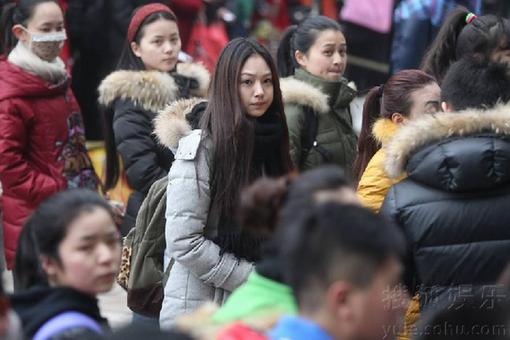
(199, 272)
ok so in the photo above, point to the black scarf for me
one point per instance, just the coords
(266, 161)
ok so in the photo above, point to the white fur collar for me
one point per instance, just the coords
(170, 125)
(53, 72)
(295, 91)
(432, 128)
(153, 90)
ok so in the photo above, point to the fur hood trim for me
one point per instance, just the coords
(295, 91)
(170, 125)
(432, 128)
(383, 130)
(152, 90)
(198, 72)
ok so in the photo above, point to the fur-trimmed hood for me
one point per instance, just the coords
(437, 146)
(170, 125)
(383, 130)
(301, 93)
(152, 90)
(305, 89)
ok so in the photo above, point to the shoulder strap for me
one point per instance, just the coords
(64, 321)
(308, 134)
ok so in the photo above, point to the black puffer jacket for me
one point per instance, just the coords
(38, 305)
(454, 207)
(136, 97)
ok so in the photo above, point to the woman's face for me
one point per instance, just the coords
(425, 100)
(89, 254)
(256, 86)
(159, 46)
(327, 57)
(47, 18)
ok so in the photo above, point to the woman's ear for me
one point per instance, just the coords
(49, 265)
(19, 33)
(136, 49)
(300, 58)
(397, 118)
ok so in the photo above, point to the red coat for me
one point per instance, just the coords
(42, 148)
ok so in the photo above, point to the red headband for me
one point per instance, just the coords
(140, 15)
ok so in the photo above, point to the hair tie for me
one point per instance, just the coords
(381, 90)
(470, 17)
(140, 15)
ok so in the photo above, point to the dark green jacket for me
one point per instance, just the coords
(330, 100)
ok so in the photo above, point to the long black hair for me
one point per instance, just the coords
(43, 232)
(458, 37)
(301, 38)
(232, 131)
(128, 61)
(16, 13)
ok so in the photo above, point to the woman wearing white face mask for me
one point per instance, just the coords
(42, 144)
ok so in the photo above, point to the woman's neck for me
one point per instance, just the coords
(53, 72)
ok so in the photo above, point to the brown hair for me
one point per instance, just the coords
(382, 102)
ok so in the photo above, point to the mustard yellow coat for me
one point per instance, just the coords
(374, 183)
(372, 189)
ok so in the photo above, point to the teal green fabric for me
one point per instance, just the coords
(335, 133)
(258, 296)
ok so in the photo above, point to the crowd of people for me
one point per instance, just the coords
(256, 211)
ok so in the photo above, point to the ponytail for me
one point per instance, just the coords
(367, 145)
(112, 156)
(27, 271)
(383, 102)
(286, 61)
(8, 40)
(442, 51)
(301, 38)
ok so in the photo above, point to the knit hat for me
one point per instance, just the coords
(140, 15)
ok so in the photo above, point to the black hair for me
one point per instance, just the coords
(301, 38)
(15, 13)
(470, 84)
(128, 61)
(334, 242)
(302, 192)
(232, 131)
(46, 228)
(457, 38)
(469, 313)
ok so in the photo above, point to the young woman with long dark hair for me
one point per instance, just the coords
(148, 77)
(243, 136)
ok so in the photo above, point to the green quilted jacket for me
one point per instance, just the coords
(330, 101)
